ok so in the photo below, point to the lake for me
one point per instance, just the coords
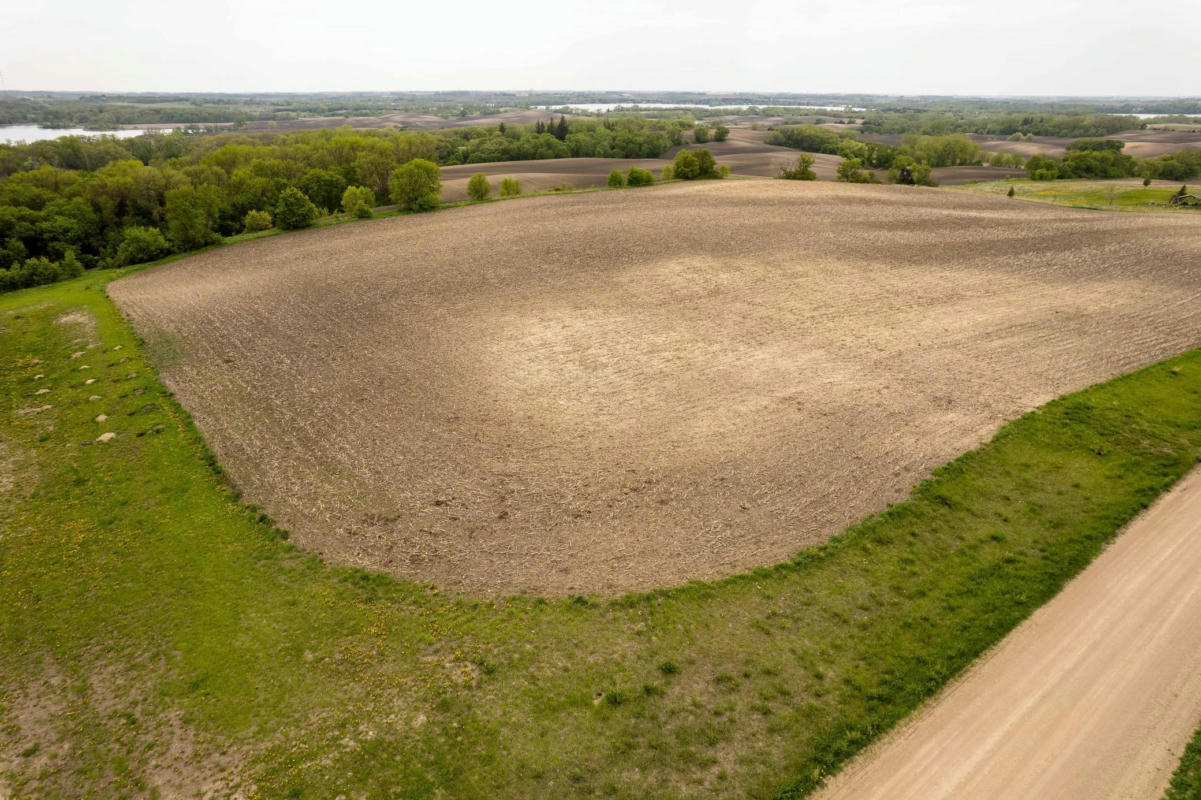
(32, 133)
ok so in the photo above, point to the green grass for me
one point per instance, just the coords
(145, 610)
(1186, 783)
(1118, 195)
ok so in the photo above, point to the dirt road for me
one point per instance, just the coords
(1094, 697)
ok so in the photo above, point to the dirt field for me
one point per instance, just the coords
(631, 389)
(1093, 698)
(745, 152)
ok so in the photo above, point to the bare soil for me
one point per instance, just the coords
(1093, 698)
(624, 390)
(745, 152)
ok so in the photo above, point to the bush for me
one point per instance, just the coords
(850, 170)
(616, 179)
(256, 221)
(1010, 193)
(478, 187)
(639, 177)
(294, 210)
(362, 211)
(668, 173)
(700, 134)
(720, 133)
(356, 198)
(141, 244)
(415, 186)
(510, 187)
(803, 171)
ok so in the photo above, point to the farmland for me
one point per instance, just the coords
(627, 390)
(161, 638)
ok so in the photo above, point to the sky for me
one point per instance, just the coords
(999, 47)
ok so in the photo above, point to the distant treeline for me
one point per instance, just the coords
(939, 123)
(1103, 158)
(934, 151)
(84, 202)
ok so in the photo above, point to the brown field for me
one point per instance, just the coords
(624, 390)
(745, 152)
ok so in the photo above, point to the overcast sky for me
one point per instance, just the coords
(1046, 47)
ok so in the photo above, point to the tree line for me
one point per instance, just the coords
(84, 202)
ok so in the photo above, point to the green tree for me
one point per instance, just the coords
(140, 244)
(803, 171)
(255, 221)
(478, 187)
(616, 179)
(324, 188)
(510, 187)
(192, 216)
(639, 177)
(706, 165)
(294, 210)
(685, 167)
(700, 133)
(1010, 193)
(720, 133)
(850, 170)
(415, 186)
(356, 198)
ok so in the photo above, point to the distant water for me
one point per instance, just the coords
(610, 106)
(32, 133)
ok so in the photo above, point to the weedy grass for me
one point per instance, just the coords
(154, 627)
(1118, 195)
(1186, 782)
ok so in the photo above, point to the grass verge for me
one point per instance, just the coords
(1186, 782)
(1113, 195)
(159, 635)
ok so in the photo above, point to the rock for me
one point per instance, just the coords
(84, 366)
(42, 391)
(101, 417)
(94, 398)
(106, 437)
(77, 355)
(118, 347)
(38, 377)
(89, 381)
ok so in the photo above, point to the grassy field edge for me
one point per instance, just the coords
(704, 689)
(1186, 781)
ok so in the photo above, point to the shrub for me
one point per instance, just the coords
(294, 210)
(700, 134)
(510, 187)
(720, 133)
(803, 171)
(357, 197)
(256, 221)
(639, 177)
(362, 211)
(850, 170)
(141, 244)
(723, 171)
(415, 186)
(668, 173)
(616, 179)
(478, 187)
(1010, 193)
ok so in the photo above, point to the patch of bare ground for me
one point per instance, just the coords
(50, 720)
(745, 153)
(625, 390)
